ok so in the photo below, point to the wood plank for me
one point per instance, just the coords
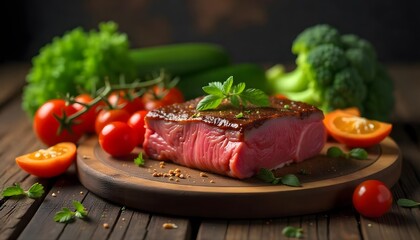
(238, 229)
(42, 225)
(155, 229)
(407, 136)
(322, 226)
(212, 229)
(16, 138)
(130, 225)
(99, 213)
(343, 224)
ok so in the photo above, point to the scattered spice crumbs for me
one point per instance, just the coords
(169, 226)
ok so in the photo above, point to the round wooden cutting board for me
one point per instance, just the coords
(326, 183)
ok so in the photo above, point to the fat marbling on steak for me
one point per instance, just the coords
(223, 142)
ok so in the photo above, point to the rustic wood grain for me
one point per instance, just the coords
(42, 225)
(129, 225)
(212, 229)
(343, 224)
(155, 229)
(16, 138)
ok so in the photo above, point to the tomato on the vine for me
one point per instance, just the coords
(126, 101)
(106, 116)
(159, 97)
(372, 198)
(136, 122)
(88, 118)
(47, 127)
(117, 139)
(49, 162)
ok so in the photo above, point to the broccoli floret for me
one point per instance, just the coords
(336, 71)
(315, 36)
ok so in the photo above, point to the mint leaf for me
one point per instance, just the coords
(236, 94)
(35, 191)
(408, 203)
(64, 216)
(239, 88)
(290, 180)
(255, 96)
(139, 161)
(209, 102)
(292, 232)
(227, 85)
(213, 90)
(235, 100)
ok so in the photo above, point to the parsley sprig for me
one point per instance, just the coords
(237, 95)
(139, 160)
(288, 179)
(35, 191)
(66, 215)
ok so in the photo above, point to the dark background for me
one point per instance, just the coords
(252, 31)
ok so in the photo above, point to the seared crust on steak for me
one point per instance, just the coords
(226, 116)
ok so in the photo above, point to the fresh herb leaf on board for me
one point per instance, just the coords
(139, 160)
(268, 176)
(35, 191)
(65, 215)
(356, 153)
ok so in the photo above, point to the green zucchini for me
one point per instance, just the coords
(179, 59)
(252, 75)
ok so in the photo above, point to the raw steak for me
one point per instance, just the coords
(220, 141)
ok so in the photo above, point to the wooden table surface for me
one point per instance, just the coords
(26, 218)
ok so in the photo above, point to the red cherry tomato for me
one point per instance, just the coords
(106, 116)
(174, 95)
(372, 198)
(88, 118)
(117, 139)
(122, 100)
(136, 122)
(159, 97)
(46, 126)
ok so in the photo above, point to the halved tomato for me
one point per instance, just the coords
(355, 131)
(50, 162)
(351, 110)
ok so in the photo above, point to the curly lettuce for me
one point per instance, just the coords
(79, 61)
